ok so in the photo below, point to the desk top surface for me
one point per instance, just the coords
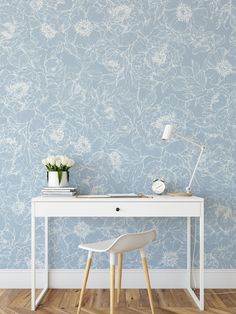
(151, 198)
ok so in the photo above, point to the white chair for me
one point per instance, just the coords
(124, 243)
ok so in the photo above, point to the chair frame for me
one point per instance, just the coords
(112, 279)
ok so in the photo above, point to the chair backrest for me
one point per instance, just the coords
(132, 241)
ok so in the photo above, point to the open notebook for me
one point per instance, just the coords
(131, 195)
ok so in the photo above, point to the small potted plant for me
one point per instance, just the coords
(58, 170)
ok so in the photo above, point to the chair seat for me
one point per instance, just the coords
(102, 246)
(124, 243)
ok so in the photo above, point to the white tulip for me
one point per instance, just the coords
(45, 162)
(58, 162)
(51, 160)
(70, 163)
(64, 160)
(57, 157)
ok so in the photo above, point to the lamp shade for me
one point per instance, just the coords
(167, 134)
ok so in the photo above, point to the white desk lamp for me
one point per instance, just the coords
(167, 135)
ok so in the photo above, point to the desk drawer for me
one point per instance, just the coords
(117, 209)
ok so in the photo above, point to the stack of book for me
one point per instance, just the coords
(65, 191)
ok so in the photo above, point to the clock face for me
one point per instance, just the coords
(158, 187)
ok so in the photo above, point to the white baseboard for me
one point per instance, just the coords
(132, 278)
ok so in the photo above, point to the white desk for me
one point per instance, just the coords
(162, 206)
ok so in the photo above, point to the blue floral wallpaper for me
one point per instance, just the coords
(98, 80)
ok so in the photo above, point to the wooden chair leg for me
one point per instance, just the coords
(87, 269)
(112, 283)
(120, 262)
(147, 278)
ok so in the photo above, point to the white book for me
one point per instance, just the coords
(59, 189)
(58, 195)
(61, 193)
(124, 195)
(93, 196)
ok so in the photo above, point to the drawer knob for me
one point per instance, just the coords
(117, 209)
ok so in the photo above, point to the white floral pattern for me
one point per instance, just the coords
(57, 135)
(48, 31)
(160, 56)
(8, 30)
(98, 81)
(224, 68)
(120, 13)
(84, 28)
(184, 13)
(36, 4)
(82, 146)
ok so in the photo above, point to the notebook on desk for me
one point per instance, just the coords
(123, 195)
(92, 196)
(129, 195)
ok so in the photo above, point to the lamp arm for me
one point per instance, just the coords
(188, 140)
(188, 188)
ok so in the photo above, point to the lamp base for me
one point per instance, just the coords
(179, 194)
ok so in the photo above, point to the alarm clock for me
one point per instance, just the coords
(158, 186)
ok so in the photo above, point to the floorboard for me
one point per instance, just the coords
(133, 301)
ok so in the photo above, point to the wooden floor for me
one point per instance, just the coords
(167, 301)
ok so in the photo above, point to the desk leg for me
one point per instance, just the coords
(34, 301)
(199, 301)
(188, 252)
(32, 258)
(46, 251)
(202, 258)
